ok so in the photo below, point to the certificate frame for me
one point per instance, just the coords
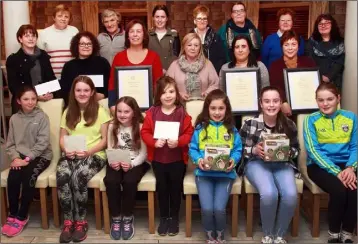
(289, 94)
(146, 85)
(256, 89)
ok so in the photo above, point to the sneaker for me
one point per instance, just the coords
(333, 237)
(80, 232)
(211, 239)
(220, 237)
(279, 240)
(16, 227)
(67, 230)
(346, 237)
(128, 228)
(163, 226)
(7, 225)
(173, 226)
(267, 239)
(115, 233)
(334, 240)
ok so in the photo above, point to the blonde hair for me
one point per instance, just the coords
(201, 9)
(62, 8)
(188, 38)
(109, 12)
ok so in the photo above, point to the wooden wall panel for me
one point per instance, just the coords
(89, 11)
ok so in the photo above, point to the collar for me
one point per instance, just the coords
(279, 33)
(332, 116)
(216, 124)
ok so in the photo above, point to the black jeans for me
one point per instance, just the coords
(27, 177)
(169, 178)
(129, 181)
(342, 206)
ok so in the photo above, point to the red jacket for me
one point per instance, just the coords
(184, 139)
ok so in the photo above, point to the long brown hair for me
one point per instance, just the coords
(160, 86)
(328, 86)
(136, 120)
(203, 118)
(90, 114)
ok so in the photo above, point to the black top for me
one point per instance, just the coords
(94, 65)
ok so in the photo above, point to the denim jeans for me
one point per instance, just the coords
(214, 193)
(273, 179)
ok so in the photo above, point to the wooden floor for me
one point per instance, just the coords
(34, 234)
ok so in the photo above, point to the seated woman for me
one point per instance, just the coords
(194, 74)
(330, 137)
(85, 50)
(136, 54)
(275, 195)
(29, 66)
(83, 116)
(290, 42)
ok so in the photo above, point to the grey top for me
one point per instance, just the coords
(110, 47)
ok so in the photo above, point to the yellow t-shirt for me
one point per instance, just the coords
(92, 133)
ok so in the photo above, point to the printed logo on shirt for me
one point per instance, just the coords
(227, 137)
(322, 130)
(345, 128)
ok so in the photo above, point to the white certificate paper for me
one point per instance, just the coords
(75, 143)
(166, 130)
(118, 155)
(50, 86)
(97, 80)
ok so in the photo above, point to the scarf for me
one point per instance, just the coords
(192, 78)
(249, 28)
(333, 54)
(290, 63)
(35, 71)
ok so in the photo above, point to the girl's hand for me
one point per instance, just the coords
(17, 163)
(172, 143)
(160, 143)
(126, 166)
(81, 155)
(231, 166)
(349, 178)
(116, 166)
(286, 109)
(184, 96)
(258, 150)
(202, 164)
(70, 155)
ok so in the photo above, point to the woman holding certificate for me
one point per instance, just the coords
(330, 137)
(194, 74)
(85, 49)
(136, 54)
(270, 170)
(83, 138)
(290, 43)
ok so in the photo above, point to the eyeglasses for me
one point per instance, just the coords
(202, 19)
(84, 44)
(324, 24)
(240, 11)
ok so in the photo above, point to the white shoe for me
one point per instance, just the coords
(267, 239)
(279, 240)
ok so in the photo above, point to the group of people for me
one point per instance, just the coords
(179, 72)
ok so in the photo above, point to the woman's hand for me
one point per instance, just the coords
(184, 96)
(46, 97)
(231, 166)
(258, 150)
(160, 143)
(172, 143)
(286, 109)
(126, 166)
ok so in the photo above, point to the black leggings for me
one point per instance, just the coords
(342, 206)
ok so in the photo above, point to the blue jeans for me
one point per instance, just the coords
(214, 194)
(273, 179)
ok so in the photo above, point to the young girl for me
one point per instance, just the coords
(28, 146)
(330, 137)
(263, 175)
(124, 133)
(214, 126)
(168, 156)
(83, 116)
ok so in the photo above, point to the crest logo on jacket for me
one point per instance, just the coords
(227, 137)
(345, 128)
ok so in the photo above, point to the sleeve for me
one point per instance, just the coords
(176, 46)
(157, 69)
(213, 82)
(12, 80)
(112, 97)
(265, 51)
(171, 70)
(10, 143)
(265, 77)
(337, 67)
(142, 156)
(352, 161)
(184, 138)
(41, 40)
(221, 79)
(66, 81)
(147, 131)
(301, 48)
(110, 136)
(106, 69)
(43, 138)
(308, 49)
(194, 152)
(313, 148)
(50, 75)
(221, 59)
(236, 151)
(245, 139)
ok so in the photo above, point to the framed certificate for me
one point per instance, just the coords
(300, 86)
(242, 88)
(135, 81)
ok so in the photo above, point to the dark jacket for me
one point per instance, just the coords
(168, 48)
(18, 67)
(213, 48)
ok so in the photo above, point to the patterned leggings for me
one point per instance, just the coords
(72, 178)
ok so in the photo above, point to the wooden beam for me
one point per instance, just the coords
(252, 11)
(284, 5)
(317, 8)
(89, 11)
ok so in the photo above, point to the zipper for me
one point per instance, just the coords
(332, 124)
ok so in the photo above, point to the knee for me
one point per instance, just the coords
(269, 196)
(111, 182)
(62, 178)
(130, 184)
(207, 212)
(289, 196)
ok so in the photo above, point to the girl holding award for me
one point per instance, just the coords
(124, 137)
(216, 148)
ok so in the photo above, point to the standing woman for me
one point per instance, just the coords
(137, 53)
(83, 116)
(194, 74)
(326, 47)
(29, 66)
(85, 50)
(212, 43)
(162, 39)
(271, 49)
(330, 137)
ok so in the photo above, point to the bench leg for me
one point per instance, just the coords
(43, 202)
(97, 207)
(56, 215)
(151, 222)
(234, 214)
(188, 209)
(296, 218)
(3, 206)
(250, 213)
(106, 220)
(315, 215)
